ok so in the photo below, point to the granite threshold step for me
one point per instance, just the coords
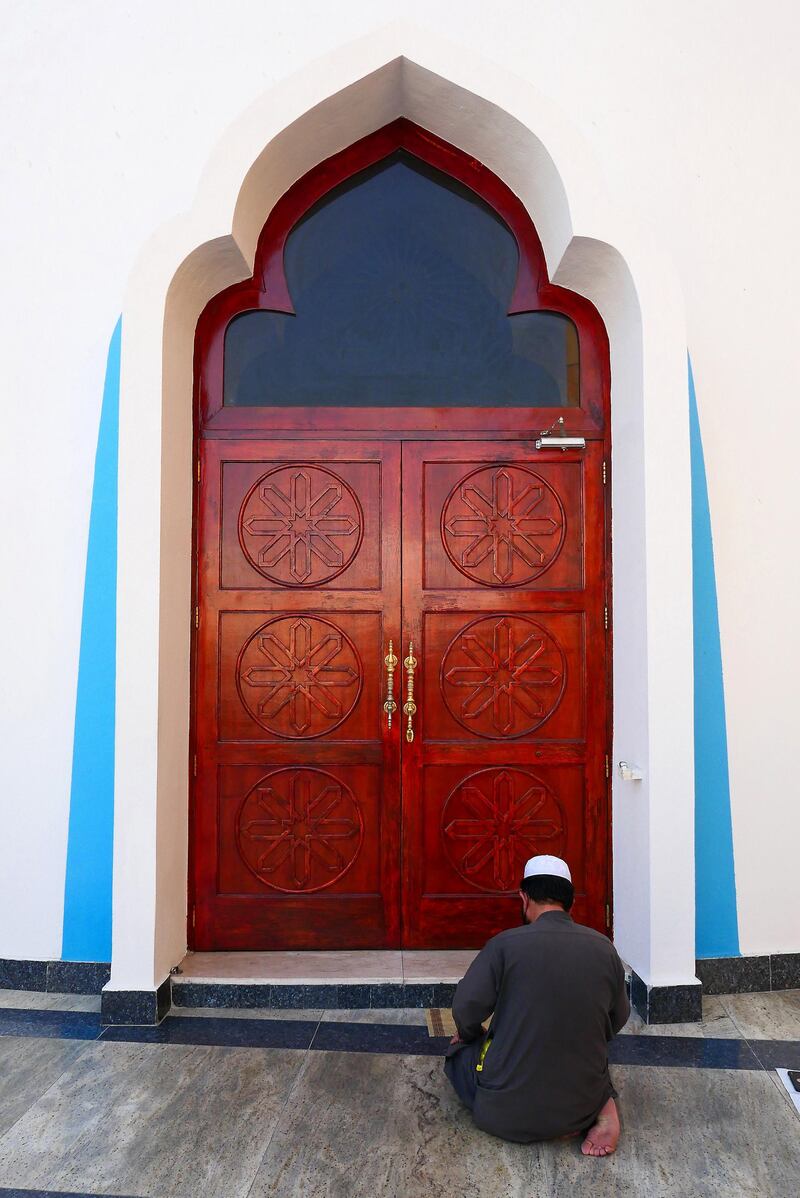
(343, 980)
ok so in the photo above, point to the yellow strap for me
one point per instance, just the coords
(484, 1050)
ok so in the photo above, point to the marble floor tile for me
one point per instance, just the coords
(26, 1000)
(410, 1016)
(413, 1016)
(774, 1016)
(57, 1025)
(77, 1002)
(39, 1000)
(698, 1133)
(155, 1121)
(687, 1052)
(294, 968)
(716, 1023)
(383, 1127)
(27, 1069)
(249, 1013)
(784, 1093)
(218, 1033)
(399, 1039)
(423, 965)
(775, 1054)
(373, 1127)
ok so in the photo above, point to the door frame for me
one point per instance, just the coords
(597, 243)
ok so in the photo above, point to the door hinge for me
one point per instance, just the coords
(608, 915)
(198, 471)
(194, 913)
(197, 617)
(604, 472)
(607, 772)
(605, 618)
(194, 766)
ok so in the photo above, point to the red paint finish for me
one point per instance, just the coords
(322, 533)
(503, 596)
(296, 819)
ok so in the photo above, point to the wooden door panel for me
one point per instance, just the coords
(296, 809)
(470, 874)
(301, 524)
(504, 525)
(254, 804)
(504, 590)
(299, 675)
(504, 676)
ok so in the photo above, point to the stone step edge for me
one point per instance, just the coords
(300, 994)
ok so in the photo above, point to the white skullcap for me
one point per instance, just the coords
(552, 866)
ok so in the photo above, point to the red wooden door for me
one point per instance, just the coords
(296, 799)
(348, 328)
(297, 814)
(503, 597)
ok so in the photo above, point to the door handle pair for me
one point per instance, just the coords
(409, 707)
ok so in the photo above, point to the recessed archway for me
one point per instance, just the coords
(593, 246)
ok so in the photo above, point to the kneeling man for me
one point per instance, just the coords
(556, 993)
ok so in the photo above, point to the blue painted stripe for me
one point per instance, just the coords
(87, 891)
(717, 929)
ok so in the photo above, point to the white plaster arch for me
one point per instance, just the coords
(592, 244)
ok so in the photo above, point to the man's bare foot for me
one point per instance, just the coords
(603, 1137)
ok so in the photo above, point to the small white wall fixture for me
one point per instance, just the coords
(593, 245)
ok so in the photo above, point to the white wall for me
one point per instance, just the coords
(109, 117)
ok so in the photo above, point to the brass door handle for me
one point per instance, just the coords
(410, 707)
(391, 665)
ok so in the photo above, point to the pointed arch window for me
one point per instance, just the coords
(401, 280)
(400, 285)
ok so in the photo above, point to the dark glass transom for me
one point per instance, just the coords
(401, 280)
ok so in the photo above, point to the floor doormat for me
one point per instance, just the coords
(440, 1021)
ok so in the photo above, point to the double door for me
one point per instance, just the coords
(320, 819)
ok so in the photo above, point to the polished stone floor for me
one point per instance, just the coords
(345, 1104)
(303, 968)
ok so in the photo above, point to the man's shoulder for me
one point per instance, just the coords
(498, 942)
(592, 933)
(525, 933)
(597, 944)
(581, 929)
(563, 927)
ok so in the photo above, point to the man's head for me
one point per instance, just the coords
(546, 886)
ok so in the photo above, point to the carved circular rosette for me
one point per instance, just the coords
(299, 676)
(503, 676)
(300, 525)
(503, 526)
(494, 820)
(299, 830)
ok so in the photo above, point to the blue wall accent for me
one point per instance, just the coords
(717, 929)
(87, 892)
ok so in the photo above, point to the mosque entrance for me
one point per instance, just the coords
(401, 666)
